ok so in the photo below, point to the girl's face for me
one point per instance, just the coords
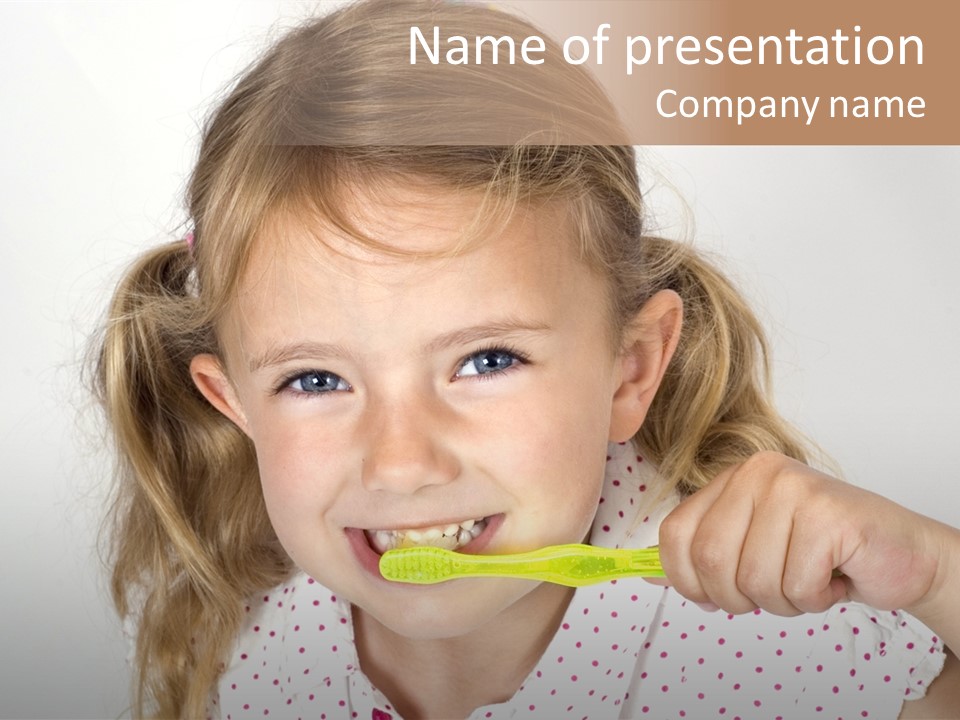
(393, 394)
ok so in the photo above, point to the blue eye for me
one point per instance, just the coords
(317, 382)
(491, 361)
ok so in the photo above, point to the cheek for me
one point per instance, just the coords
(558, 449)
(298, 468)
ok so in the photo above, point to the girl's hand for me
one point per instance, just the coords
(770, 532)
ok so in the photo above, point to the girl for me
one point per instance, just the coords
(362, 343)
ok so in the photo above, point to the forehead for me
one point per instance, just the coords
(426, 258)
(392, 234)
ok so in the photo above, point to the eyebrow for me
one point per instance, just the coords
(474, 333)
(462, 336)
(296, 351)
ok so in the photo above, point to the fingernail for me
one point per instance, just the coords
(707, 607)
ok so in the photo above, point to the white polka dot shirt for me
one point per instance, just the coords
(625, 649)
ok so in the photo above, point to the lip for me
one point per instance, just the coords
(369, 559)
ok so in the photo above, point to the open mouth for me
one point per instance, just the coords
(452, 536)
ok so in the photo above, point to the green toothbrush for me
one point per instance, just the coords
(572, 565)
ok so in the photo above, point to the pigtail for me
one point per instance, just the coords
(187, 515)
(712, 409)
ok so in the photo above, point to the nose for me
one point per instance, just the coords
(405, 447)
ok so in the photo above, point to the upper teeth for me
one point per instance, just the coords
(451, 537)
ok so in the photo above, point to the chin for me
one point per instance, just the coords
(461, 609)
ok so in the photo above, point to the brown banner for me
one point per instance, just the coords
(648, 72)
(855, 72)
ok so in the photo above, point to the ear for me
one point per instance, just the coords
(211, 380)
(648, 345)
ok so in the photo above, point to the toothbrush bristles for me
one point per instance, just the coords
(426, 565)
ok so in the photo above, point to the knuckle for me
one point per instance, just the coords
(752, 583)
(672, 529)
(765, 460)
(759, 469)
(708, 558)
(801, 594)
(739, 607)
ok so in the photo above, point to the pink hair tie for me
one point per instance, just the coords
(188, 239)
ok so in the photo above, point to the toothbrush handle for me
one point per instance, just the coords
(571, 565)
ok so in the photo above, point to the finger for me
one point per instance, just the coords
(763, 559)
(700, 544)
(809, 582)
(676, 536)
(718, 544)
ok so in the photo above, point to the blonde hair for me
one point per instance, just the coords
(191, 537)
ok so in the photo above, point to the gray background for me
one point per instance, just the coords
(849, 254)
